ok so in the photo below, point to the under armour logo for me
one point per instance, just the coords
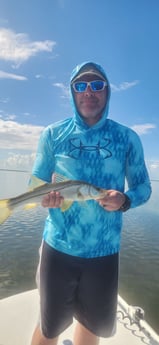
(100, 149)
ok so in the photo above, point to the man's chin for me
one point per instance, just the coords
(89, 116)
(89, 112)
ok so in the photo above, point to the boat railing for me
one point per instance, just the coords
(134, 316)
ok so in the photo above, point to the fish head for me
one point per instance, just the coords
(83, 192)
(97, 192)
(88, 191)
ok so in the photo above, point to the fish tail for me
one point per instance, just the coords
(5, 210)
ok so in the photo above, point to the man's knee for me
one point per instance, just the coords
(40, 339)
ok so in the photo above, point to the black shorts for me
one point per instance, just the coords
(77, 287)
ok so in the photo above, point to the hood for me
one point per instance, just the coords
(77, 118)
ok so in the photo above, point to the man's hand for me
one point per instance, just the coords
(52, 200)
(113, 200)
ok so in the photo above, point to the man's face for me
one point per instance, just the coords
(90, 104)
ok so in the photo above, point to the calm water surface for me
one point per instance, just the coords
(20, 238)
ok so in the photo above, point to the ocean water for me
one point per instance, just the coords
(20, 238)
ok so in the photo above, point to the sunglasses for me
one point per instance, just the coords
(95, 85)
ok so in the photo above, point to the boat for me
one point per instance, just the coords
(19, 316)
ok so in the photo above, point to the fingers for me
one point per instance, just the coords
(103, 202)
(52, 200)
(113, 200)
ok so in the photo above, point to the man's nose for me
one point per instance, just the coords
(88, 91)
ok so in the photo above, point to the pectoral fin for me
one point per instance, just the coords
(28, 206)
(66, 205)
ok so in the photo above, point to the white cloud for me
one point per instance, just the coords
(153, 168)
(4, 100)
(143, 128)
(39, 76)
(124, 86)
(17, 47)
(6, 116)
(5, 75)
(18, 161)
(64, 89)
(26, 114)
(155, 165)
(14, 135)
(23, 162)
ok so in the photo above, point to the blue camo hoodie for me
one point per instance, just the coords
(105, 154)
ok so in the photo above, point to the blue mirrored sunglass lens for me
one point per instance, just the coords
(80, 87)
(97, 85)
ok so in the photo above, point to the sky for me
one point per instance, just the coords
(40, 44)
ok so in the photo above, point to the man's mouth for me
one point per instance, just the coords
(89, 102)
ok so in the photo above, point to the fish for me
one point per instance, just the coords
(70, 190)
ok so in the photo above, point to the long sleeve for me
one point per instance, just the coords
(44, 162)
(139, 187)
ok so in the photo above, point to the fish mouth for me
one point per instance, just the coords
(104, 192)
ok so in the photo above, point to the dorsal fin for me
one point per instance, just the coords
(58, 178)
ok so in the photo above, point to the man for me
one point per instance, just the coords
(78, 271)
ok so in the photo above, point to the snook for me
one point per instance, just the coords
(71, 190)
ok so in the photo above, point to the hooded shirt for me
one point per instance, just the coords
(105, 155)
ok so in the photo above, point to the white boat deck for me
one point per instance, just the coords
(19, 315)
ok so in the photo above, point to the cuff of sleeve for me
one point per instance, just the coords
(126, 205)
